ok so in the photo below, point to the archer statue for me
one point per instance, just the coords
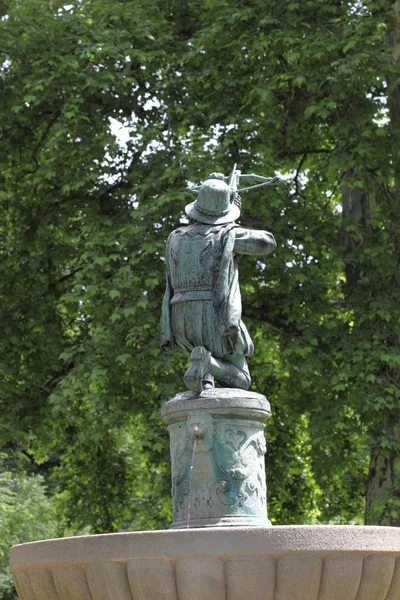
(201, 310)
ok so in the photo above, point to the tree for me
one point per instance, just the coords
(26, 514)
(75, 252)
(302, 88)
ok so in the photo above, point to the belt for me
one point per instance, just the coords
(191, 295)
(193, 288)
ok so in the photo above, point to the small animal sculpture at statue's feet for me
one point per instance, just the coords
(195, 377)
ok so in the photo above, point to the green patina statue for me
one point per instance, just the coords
(201, 311)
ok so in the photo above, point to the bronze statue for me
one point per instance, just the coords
(201, 311)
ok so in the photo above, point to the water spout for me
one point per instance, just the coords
(196, 437)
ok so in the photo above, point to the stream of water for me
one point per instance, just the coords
(190, 483)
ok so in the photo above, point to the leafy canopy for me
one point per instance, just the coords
(303, 88)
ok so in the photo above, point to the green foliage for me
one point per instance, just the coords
(26, 515)
(299, 87)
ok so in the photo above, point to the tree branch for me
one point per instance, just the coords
(296, 177)
(309, 151)
(279, 325)
(55, 284)
(123, 182)
(44, 135)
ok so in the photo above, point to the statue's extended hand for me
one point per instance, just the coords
(166, 347)
(231, 334)
(230, 331)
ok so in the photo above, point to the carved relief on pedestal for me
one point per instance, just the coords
(239, 454)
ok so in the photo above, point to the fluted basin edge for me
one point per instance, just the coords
(278, 563)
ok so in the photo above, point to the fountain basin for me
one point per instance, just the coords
(266, 563)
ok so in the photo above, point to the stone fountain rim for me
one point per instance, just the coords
(213, 541)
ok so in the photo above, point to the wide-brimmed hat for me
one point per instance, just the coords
(214, 204)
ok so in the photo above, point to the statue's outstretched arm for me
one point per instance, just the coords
(253, 241)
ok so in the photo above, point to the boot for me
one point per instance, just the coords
(199, 367)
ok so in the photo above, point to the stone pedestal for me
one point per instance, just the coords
(217, 456)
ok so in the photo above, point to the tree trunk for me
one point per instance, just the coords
(358, 212)
(382, 496)
(383, 483)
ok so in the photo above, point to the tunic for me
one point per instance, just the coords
(202, 303)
